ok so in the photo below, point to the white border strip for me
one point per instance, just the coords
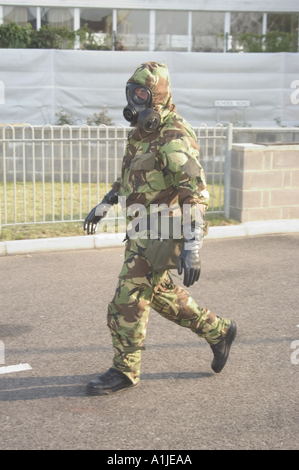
(18, 368)
(248, 229)
(84, 242)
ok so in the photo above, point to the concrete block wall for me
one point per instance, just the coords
(264, 182)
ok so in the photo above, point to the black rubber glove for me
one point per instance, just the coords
(190, 262)
(189, 259)
(110, 198)
(91, 222)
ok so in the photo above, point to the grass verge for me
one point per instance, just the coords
(74, 229)
(31, 202)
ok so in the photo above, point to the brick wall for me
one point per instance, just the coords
(264, 182)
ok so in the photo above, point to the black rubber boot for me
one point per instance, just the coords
(221, 349)
(111, 382)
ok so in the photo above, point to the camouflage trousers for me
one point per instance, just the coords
(140, 289)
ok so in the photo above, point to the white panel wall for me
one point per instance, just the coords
(38, 83)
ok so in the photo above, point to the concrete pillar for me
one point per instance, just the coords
(189, 31)
(38, 18)
(77, 25)
(227, 40)
(152, 30)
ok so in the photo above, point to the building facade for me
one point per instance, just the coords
(155, 25)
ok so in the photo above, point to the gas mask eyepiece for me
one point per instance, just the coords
(138, 111)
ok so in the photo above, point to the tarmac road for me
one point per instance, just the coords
(53, 316)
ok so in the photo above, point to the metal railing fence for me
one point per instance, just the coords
(52, 174)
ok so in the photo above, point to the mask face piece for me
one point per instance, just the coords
(139, 111)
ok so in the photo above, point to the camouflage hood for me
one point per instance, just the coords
(155, 76)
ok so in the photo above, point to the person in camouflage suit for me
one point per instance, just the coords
(160, 166)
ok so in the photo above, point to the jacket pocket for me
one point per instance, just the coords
(145, 161)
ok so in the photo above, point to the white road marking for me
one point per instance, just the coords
(18, 368)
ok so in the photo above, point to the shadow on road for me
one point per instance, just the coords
(36, 388)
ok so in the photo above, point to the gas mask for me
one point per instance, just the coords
(138, 110)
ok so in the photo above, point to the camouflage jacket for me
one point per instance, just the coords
(163, 166)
